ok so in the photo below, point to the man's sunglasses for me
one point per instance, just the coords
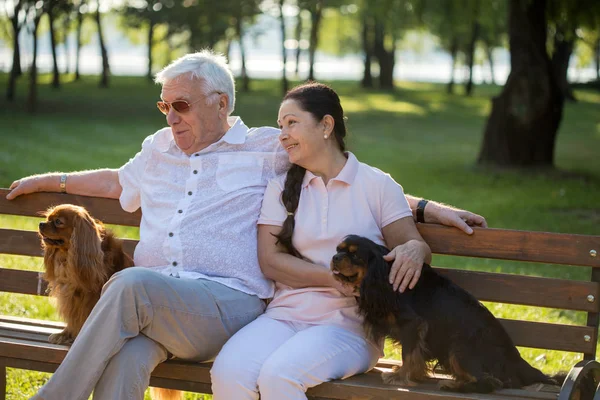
(181, 106)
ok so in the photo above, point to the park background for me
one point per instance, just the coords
(416, 79)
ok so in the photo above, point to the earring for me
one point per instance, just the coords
(325, 137)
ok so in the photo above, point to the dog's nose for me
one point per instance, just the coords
(42, 225)
(337, 258)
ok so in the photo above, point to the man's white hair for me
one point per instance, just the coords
(207, 65)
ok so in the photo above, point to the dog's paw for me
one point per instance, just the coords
(60, 338)
(396, 378)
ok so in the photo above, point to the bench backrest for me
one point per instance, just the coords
(566, 249)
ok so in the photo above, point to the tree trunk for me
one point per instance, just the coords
(65, 27)
(521, 130)
(31, 104)
(489, 52)
(55, 73)
(316, 14)
(78, 44)
(597, 51)
(105, 66)
(15, 70)
(284, 81)
(563, 48)
(453, 54)
(150, 43)
(385, 58)
(367, 80)
(243, 72)
(298, 39)
(471, 49)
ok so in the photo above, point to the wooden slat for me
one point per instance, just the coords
(527, 290)
(27, 243)
(27, 329)
(33, 336)
(107, 210)
(23, 243)
(364, 386)
(19, 281)
(554, 248)
(370, 386)
(550, 336)
(32, 322)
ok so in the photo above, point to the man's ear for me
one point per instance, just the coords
(223, 101)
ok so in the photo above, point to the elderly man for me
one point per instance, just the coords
(197, 280)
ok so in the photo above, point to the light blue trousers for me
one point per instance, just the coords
(141, 317)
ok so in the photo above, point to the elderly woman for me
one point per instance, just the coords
(312, 332)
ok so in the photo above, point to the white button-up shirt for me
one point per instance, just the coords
(199, 212)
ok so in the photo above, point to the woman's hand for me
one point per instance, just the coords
(408, 259)
(346, 290)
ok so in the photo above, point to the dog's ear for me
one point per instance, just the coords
(376, 281)
(85, 256)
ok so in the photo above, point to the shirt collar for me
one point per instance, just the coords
(234, 135)
(346, 175)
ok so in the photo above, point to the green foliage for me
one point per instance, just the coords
(426, 139)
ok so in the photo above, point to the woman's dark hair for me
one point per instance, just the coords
(319, 100)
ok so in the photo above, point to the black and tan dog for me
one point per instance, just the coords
(437, 320)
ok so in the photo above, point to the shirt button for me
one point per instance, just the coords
(171, 234)
(179, 211)
(174, 263)
(195, 171)
(189, 193)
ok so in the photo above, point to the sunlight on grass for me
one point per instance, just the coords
(353, 105)
(383, 102)
(587, 96)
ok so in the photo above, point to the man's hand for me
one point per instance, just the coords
(22, 186)
(445, 215)
(408, 261)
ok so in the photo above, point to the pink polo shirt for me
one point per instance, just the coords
(360, 200)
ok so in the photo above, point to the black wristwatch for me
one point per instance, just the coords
(421, 210)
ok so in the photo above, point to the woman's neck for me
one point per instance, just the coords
(329, 166)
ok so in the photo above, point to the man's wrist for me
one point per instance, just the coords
(421, 210)
(62, 185)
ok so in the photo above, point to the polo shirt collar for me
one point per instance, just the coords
(346, 175)
(234, 135)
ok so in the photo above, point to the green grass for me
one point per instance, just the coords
(426, 139)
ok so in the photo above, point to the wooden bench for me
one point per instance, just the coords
(23, 342)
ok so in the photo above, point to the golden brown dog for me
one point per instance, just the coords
(80, 255)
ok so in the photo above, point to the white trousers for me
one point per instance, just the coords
(141, 317)
(282, 359)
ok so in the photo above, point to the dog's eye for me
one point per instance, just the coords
(57, 222)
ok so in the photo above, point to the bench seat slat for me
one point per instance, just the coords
(544, 247)
(108, 211)
(366, 386)
(527, 290)
(32, 322)
(13, 334)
